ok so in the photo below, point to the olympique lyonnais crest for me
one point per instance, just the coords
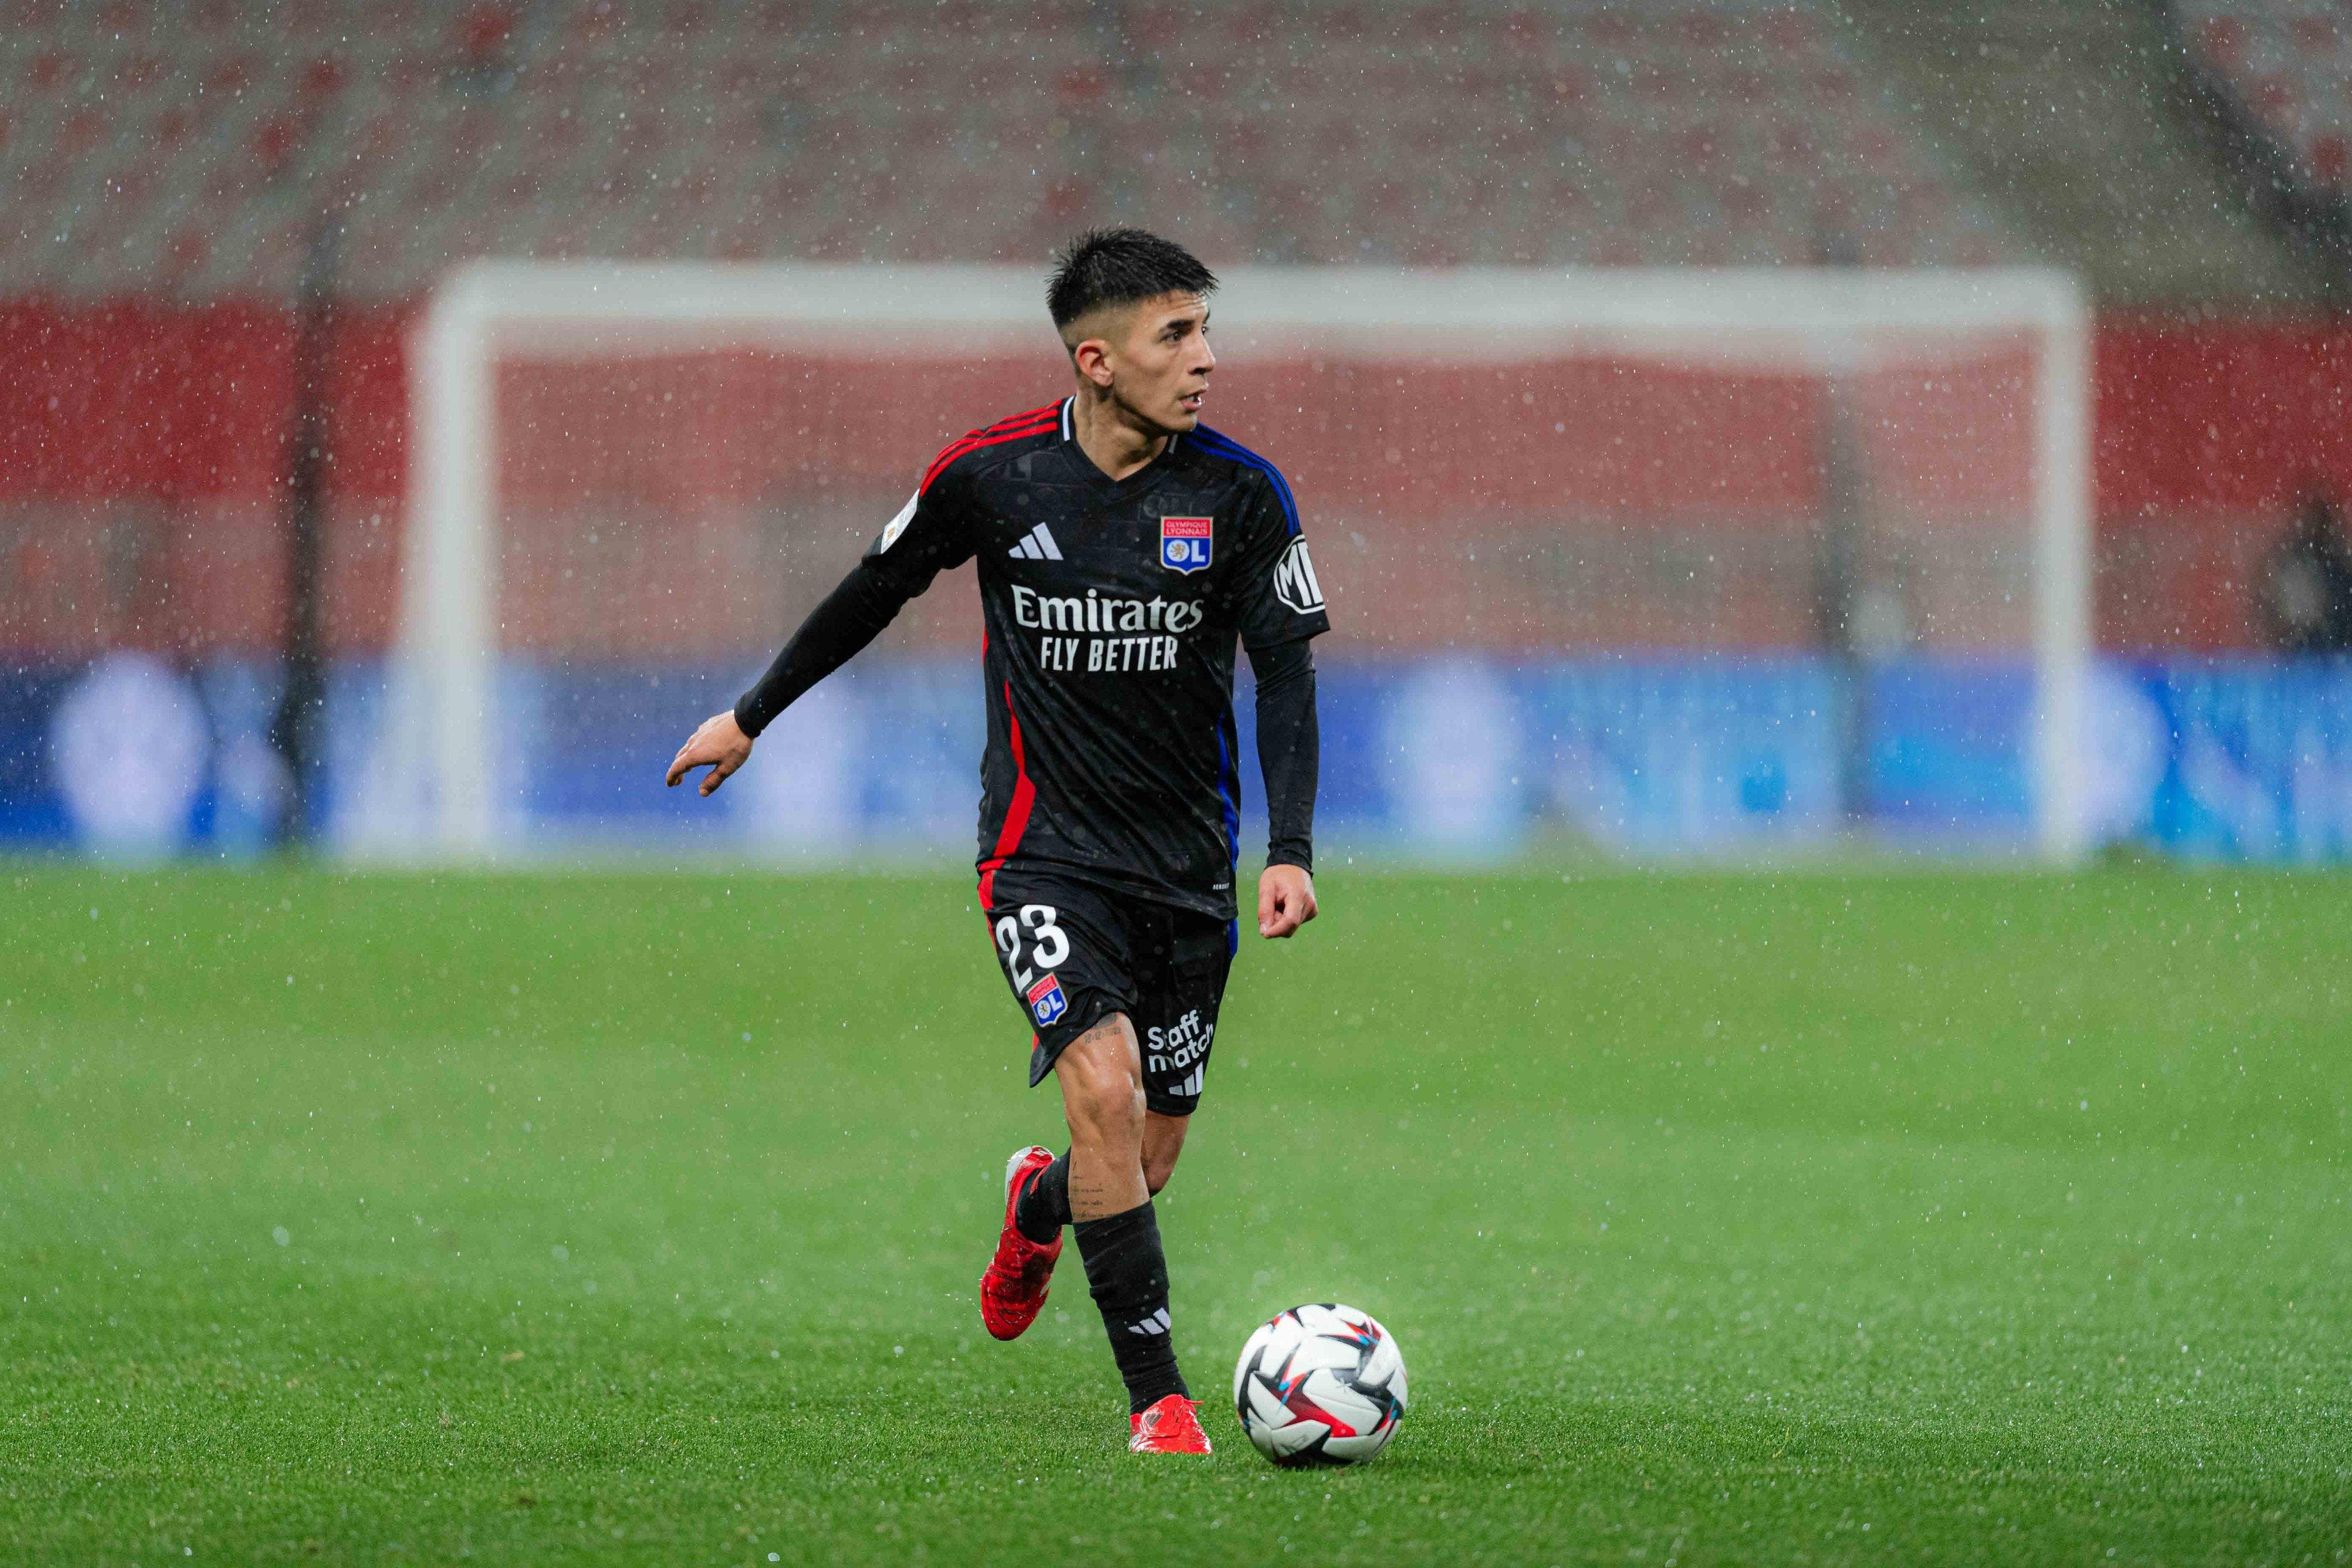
(1185, 543)
(1046, 1003)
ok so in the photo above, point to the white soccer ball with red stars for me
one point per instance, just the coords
(1320, 1385)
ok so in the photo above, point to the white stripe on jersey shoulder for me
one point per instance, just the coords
(898, 525)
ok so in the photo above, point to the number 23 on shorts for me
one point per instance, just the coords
(1048, 944)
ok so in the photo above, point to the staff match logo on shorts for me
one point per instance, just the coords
(1185, 543)
(1046, 1003)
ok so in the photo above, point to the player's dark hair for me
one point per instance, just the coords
(1120, 266)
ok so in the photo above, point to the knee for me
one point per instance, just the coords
(1106, 1102)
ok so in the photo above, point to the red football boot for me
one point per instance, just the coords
(1013, 1292)
(1170, 1426)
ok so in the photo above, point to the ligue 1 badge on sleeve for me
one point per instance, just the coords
(1185, 542)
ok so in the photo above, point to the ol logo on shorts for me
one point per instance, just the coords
(1046, 1001)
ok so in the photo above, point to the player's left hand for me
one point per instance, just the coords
(1286, 900)
(720, 744)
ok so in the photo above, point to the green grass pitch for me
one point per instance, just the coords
(1923, 1217)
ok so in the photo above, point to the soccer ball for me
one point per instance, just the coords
(1320, 1385)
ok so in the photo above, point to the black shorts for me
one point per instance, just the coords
(1074, 954)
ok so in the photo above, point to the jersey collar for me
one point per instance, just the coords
(1070, 435)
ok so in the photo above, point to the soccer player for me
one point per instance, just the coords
(1124, 549)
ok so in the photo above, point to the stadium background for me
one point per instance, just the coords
(1817, 1207)
(166, 168)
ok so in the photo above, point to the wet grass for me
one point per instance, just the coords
(1947, 1217)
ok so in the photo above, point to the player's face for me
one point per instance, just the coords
(1161, 362)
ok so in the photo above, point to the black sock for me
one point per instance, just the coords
(1043, 1206)
(1128, 1276)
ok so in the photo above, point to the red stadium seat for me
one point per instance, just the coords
(2329, 160)
(2223, 40)
(2273, 99)
(485, 33)
(2316, 34)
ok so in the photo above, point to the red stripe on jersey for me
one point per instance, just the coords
(1036, 422)
(1016, 815)
(1030, 417)
(979, 438)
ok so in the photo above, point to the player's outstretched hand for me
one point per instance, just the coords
(1286, 900)
(718, 744)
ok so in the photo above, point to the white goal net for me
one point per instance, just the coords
(1671, 561)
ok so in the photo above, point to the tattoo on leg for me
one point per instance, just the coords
(1101, 1073)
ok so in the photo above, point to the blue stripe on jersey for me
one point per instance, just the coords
(1229, 788)
(1218, 445)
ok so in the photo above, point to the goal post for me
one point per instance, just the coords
(1946, 412)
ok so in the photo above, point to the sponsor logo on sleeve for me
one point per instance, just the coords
(1046, 1003)
(1186, 543)
(1294, 579)
(898, 525)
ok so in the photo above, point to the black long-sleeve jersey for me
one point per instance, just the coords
(1112, 608)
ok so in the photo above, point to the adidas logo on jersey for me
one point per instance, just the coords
(1037, 545)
